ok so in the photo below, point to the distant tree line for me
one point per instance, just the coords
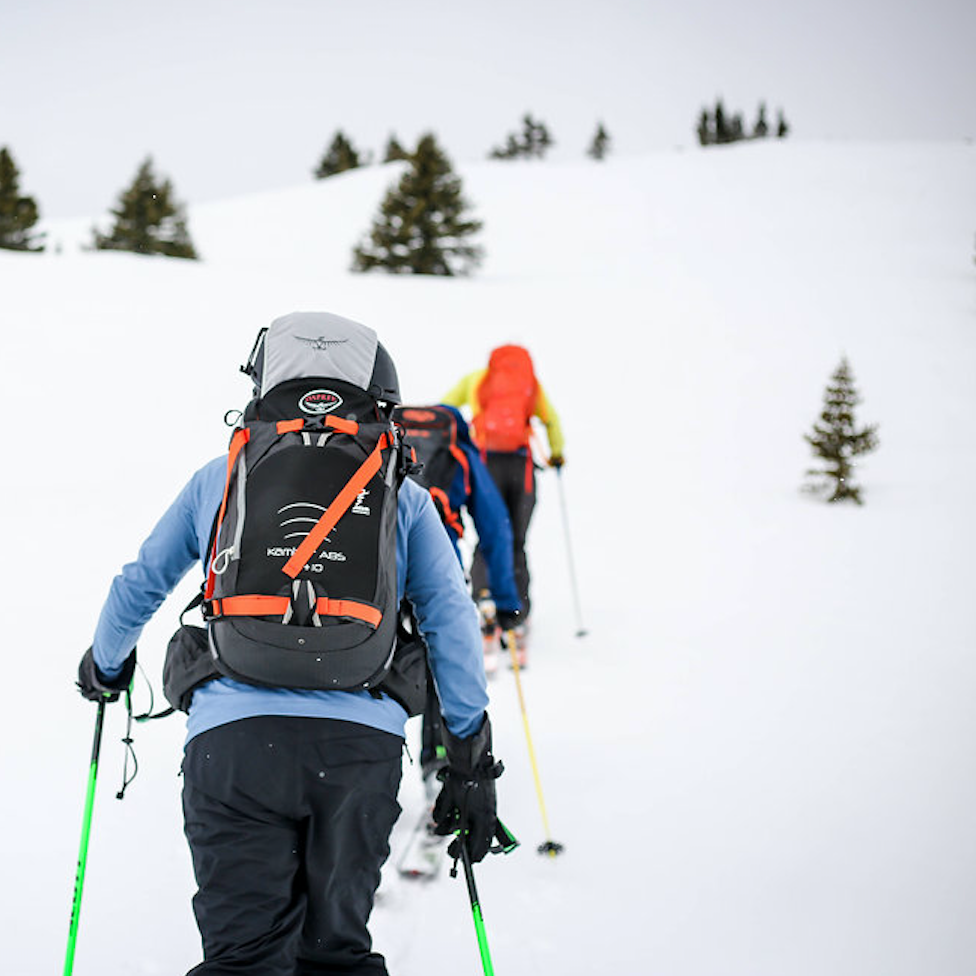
(149, 219)
(533, 140)
(717, 127)
(423, 225)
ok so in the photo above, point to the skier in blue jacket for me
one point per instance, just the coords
(304, 783)
(473, 490)
(481, 498)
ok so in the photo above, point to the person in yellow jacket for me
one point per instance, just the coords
(502, 399)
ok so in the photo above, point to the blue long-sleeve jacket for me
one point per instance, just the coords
(428, 574)
(487, 508)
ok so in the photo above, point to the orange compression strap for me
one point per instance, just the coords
(336, 423)
(342, 425)
(348, 608)
(272, 606)
(447, 513)
(336, 510)
(250, 606)
(240, 438)
(462, 459)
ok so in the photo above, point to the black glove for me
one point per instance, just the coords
(94, 686)
(509, 619)
(466, 803)
(557, 461)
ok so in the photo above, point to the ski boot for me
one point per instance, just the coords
(489, 631)
(521, 646)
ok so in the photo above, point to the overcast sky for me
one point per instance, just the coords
(234, 96)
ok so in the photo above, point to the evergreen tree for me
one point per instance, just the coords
(148, 219)
(340, 156)
(421, 227)
(599, 144)
(782, 129)
(534, 141)
(761, 129)
(836, 441)
(18, 214)
(540, 140)
(721, 126)
(394, 151)
(511, 150)
(706, 134)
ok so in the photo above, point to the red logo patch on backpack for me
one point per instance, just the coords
(506, 398)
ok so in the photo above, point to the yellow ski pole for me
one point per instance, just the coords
(550, 847)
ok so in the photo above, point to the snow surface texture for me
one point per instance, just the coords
(760, 759)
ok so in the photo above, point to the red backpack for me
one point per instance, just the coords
(506, 398)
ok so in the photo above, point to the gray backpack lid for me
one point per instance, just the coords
(316, 344)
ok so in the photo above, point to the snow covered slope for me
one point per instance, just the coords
(760, 758)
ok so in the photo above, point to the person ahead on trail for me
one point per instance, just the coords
(503, 398)
(458, 481)
(290, 787)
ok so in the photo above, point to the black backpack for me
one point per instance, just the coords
(431, 433)
(301, 588)
(352, 637)
(301, 591)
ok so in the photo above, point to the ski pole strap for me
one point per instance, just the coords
(506, 840)
(129, 751)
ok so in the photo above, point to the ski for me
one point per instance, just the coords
(489, 632)
(424, 852)
(490, 646)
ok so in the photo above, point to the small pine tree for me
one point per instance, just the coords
(340, 156)
(782, 128)
(600, 143)
(18, 214)
(706, 134)
(148, 219)
(511, 150)
(394, 151)
(721, 125)
(836, 441)
(540, 140)
(421, 227)
(761, 129)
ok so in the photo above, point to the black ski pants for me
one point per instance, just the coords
(514, 476)
(288, 821)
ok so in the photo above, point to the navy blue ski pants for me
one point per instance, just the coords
(288, 822)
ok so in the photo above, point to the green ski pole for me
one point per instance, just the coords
(479, 922)
(69, 959)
